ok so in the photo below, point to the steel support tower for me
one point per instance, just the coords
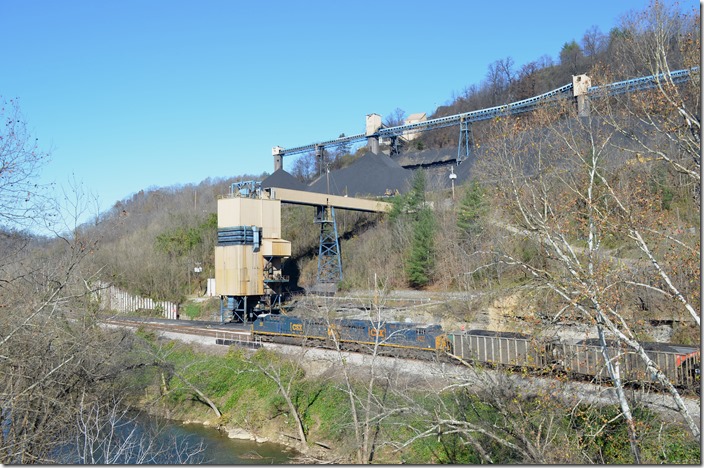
(466, 141)
(329, 261)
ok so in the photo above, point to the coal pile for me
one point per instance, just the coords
(371, 175)
(425, 158)
(283, 179)
(379, 175)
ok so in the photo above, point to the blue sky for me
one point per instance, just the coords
(129, 94)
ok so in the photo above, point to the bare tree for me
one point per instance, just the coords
(55, 358)
(498, 78)
(594, 42)
(157, 355)
(108, 433)
(562, 192)
(285, 373)
(305, 167)
(395, 118)
(370, 387)
(661, 125)
(492, 417)
(51, 351)
(527, 81)
(21, 159)
(505, 68)
(665, 122)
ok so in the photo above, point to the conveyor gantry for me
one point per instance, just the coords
(300, 197)
(518, 107)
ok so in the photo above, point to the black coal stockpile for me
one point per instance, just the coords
(372, 174)
(283, 179)
(426, 158)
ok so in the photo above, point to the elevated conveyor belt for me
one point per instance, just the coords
(518, 107)
(299, 197)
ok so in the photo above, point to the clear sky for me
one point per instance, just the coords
(133, 94)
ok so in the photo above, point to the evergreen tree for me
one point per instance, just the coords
(416, 197)
(410, 203)
(420, 263)
(412, 208)
(473, 207)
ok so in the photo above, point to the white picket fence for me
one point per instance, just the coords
(113, 298)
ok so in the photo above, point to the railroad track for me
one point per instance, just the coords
(224, 334)
(240, 335)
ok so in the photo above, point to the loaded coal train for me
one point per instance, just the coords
(583, 359)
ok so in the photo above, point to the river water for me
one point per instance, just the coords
(142, 439)
(221, 450)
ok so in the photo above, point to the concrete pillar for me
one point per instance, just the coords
(278, 153)
(373, 126)
(320, 157)
(583, 109)
(373, 144)
(580, 88)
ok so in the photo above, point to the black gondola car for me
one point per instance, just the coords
(679, 363)
(499, 348)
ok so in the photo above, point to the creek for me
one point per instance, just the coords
(168, 442)
(221, 450)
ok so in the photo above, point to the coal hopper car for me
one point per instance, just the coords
(500, 349)
(679, 363)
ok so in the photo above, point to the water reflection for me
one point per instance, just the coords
(142, 439)
(221, 450)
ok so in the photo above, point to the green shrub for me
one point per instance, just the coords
(192, 310)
